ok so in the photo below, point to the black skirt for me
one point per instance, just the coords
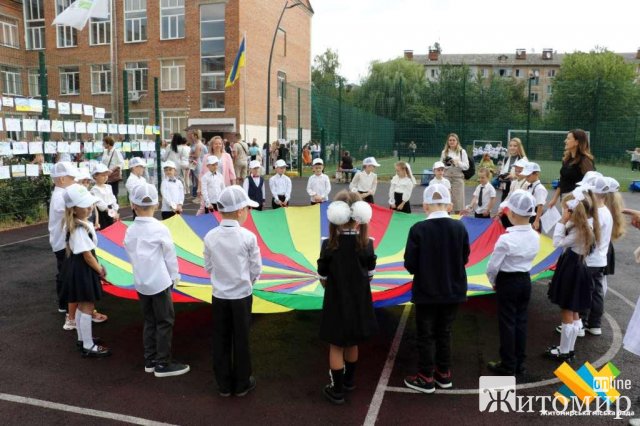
(368, 198)
(104, 219)
(397, 196)
(80, 282)
(571, 285)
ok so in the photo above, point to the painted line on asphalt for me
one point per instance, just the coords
(378, 396)
(80, 410)
(624, 299)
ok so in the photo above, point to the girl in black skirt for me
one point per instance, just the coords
(345, 267)
(578, 233)
(81, 272)
(401, 188)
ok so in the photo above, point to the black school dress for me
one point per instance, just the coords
(571, 285)
(348, 317)
(80, 282)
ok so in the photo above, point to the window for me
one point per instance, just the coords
(504, 72)
(11, 81)
(173, 122)
(100, 79)
(66, 36)
(34, 83)
(172, 75)
(100, 32)
(282, 85)
(34, 24)
(518, 72)
(70, 81)
(171, 19)
(282, 130)
(485, 72)
(137, 73)
(535, 77)
(551, 73)
(534, 97)
(212, 78)
(9, 32)
(434, 73)
(135, 21)
(549, 89)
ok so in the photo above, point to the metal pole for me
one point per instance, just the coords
(528, 115)
(125, 101)
(299, 153)
(340, 87)
(44, 91)
(156, 99)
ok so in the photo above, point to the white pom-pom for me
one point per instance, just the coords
(339, 213)
(361, 212)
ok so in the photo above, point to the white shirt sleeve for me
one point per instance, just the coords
(327, 186)
(288, 189)
(464, 160)
(353, 186)
(392, 190)
(310, 190)
(79, 241)
(180, 192)
(101, 204)
(272, 185)
(374, 184)
(255, 260)
(205, 191)
(245, 184)
(208, 260)
(495, 261)
(562, 240)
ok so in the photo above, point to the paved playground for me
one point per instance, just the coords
(43, 379)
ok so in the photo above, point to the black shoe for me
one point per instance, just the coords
(96, 341)
(332, 395)
(553, 352)
(96, 351)
(150, 365)
(251, 386)
(167, 369)
(224, 393)
(443, 380)
(498, 368)
(421, 383)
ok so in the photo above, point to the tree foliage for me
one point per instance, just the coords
(324, 73)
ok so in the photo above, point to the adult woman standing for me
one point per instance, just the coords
(577, 161)
(225, 165)
(198, 151)
(112, 158)
(515, 152)
(178, 152)
(455, 160)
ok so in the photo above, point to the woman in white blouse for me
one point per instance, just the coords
(178, 152)
(112, 158)
(506, 175)
(401, 188)
(455, 160)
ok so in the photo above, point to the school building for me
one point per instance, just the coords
(190, 45)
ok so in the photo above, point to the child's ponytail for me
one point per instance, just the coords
(580, 222)
(615, 204)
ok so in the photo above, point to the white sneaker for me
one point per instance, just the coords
(594, 331)
(580, 333)
(69, 324)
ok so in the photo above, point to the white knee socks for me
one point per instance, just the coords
(568, 335)
(83, 322)
(577, 325)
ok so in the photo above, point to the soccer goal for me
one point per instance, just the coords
(542, 145)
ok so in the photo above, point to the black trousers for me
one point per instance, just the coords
(115, 186)
(593, 316)
(368, 198)
(60, 255)
(481, 216)
(273, 201)
(433, 326)
(167, 215)
(157, 332)
(635, 165)
(513, 291)
(231, 356)
(397, 196)
(214, 209)
(505, 191)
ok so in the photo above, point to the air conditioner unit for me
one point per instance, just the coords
(134, 96)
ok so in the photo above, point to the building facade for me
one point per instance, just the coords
(189, 45)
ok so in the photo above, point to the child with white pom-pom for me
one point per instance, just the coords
(346, 266)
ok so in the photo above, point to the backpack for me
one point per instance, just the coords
(468, 174)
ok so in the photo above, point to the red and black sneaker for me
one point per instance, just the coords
(421, 383)
(443, 380)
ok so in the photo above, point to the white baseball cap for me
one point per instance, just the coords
(233, 198)
(137, 161)
(530, 168)
(589, 177)
(64, 168)
(100, 168)
(445, 196)
(82, 175)
(520, 163)
(169, 164)
(600, 185)
(438, 165)
(521, 203)
(144, 195)
(614, 185)
(280, 163)
(254, 164)
(370, 161)
(212, 159)
(77, 195)
(317, 161)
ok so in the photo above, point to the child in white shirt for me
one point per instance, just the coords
(318, 185)
(107, 204)
(172, 190)
(253, 185)
(401, 188)
(484, 197)
(531, 173)
(280, 186)
(438, 171)
(136, 177)
(212, 185)
(365, 181)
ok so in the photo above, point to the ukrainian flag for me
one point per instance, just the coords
(237, 64)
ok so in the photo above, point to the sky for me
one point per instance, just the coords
(362, 31)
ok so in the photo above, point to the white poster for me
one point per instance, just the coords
(46, 168)
(99, 112)
(139, 129)
(7, 101)
(5, 172)
(13, 124)
(5, 149)
(64, 108)
(57, 126)
(51, 104)
(98, 148)
(87, 147)
(148, 130)
(76, 108)
(87, 110)
(102, 128)
(50, 147)
(113, 129)
(18, 170)
(131, 129)
(35, 147)
(81, 127)
(122, 129)
(33, 170)
(20, 148)
(29, 125)
(135, 146)
(92, 128)
(69, 126)
(74, 147)
(63, 147)
(44, 125)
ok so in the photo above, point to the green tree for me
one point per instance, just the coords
(324, 73)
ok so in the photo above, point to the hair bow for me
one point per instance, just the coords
(340, 212)
(579, 195)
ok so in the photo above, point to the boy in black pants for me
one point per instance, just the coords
(439, 286)
(508, 272)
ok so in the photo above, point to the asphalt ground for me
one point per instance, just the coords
(43, 379)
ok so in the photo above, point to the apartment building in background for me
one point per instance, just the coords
(190, 45)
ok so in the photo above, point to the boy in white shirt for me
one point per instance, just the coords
(520, 182)
(365, 182)
(172, 190)
(136, 177)
(253, 185)
(508, 271)
(318, 185)
(531, 173)
(212, 185)
(484, 197)
(438, 171)
(280, 186)
(232, 258)
(155, 272)
(107, 204)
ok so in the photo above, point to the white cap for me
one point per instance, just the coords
(254, 164)
(100, 168)
(82, 175)
(280, 163)
(212, 159)
(530, 168)
(520, 163)
(144, 195)
(589, 177)
(137, 161)
(445, 196)
(600, 185)
(64, 168)
(521, 203)
(438, 165)
(370, 161)
(78, 196)
(317, 161)
(169, 164)
(233, 198)
(614, 185)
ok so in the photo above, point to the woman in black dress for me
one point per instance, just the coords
(345, 267)
(577, 161)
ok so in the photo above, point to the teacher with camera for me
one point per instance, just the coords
(455, 160)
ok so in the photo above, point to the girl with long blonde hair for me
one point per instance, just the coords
(515, 152)
(401, 188)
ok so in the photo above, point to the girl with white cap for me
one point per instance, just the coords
(365, 181)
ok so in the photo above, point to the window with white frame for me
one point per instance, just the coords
(518, 72)
(549, 89)
(9, 32)
(171, 19)
(11, 81)
(173, 122)
(551, 73)
(212, 77)
(100, 79)
(534, 97)
(66, 36)
(100, 32)
(135, 21)
(137, 73)
(34, 24)
(70, 81)
(34, 83)
(172, 74)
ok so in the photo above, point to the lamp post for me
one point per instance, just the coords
(273, 43)
(340, 89)
(532, 76)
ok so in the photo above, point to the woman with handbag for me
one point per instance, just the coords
(112, 158)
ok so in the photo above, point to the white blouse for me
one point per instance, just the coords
(461, 158)
(80, 240)
(106, 199)
(364, 182)
(402, 185)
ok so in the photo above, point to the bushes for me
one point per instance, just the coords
(23, 199)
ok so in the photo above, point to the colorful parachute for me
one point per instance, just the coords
(290, 241)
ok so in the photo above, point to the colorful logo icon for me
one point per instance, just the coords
(587, 384)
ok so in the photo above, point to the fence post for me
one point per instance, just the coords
(44, 93)
(322, 140)
(299, 153)
(156, 101)
(125, 100)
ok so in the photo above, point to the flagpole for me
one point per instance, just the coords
(244, 88)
